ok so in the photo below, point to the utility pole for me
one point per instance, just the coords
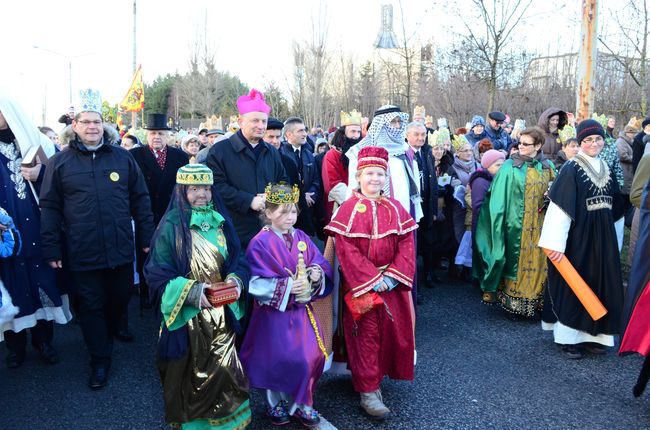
(588, 59)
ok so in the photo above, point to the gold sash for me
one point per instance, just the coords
(206, 262)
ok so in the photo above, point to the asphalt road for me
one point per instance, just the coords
(476, 370)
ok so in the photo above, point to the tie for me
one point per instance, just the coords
(299, 162)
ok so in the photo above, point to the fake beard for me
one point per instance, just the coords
(349, 143)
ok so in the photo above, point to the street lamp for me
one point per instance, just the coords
(69, 58)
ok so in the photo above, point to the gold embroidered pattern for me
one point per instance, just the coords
(179, 303)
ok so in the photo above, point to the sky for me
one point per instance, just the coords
(251, 39)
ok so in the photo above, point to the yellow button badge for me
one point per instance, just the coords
(115, 176)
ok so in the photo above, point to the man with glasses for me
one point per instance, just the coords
(497, 135)
(93, 190)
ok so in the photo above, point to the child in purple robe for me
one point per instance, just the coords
(283, 352)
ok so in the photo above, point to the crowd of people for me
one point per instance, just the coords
(273, 253)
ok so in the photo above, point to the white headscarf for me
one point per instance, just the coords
(27, 135)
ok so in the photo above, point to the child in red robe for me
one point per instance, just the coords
(375, 247)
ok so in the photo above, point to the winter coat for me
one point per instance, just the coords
(473, 139)
(625, 153)
(91, 197)
(239, 176)
(638, 147)
(160, 183)
(552, 144)
(429, 192)
(479, 183)
(499, 138)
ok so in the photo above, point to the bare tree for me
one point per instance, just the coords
(499, 19)
(629, 44)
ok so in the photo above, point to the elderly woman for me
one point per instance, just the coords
(510, 266)
(375, 247)
(195, 254)
(579, 225)
(190, 145)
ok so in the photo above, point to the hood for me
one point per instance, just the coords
(111, 136)
(621, 135)
(544, 117)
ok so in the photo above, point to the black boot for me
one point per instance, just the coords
(15, 359)
(98, 378)
(48, 353)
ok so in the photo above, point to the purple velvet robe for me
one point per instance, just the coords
(280, 351)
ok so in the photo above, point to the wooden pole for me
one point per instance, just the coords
(588, 57)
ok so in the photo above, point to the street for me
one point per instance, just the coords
(476, 369)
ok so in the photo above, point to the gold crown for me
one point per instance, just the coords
(635, 123)
(567, 132)
(419, 110)
(282, 197)
(352, 118)
(428, 119)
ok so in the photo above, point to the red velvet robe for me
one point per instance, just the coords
(374, 238)
(334, 173)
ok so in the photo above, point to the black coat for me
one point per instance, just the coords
(638, 148)
(160, 183)
(239, 175)
(309, 182)
(429, 185)
(93, 196)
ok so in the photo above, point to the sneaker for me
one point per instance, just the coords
(278, 414)
(572, 352)
(309, 419)
(98, 378)
(373, 404)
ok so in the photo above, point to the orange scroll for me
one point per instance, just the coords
(585, 294)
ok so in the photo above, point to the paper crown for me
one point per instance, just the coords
(194, 174)
(442, 122)
(253, 102)
(602, 119)
(520, 124)
(352, 118)
(419, 111)
(567, 132)
(373, 156)
(282, 196)
(89, 101)
(634, 123)
(233, 126)
(459, 141)
(428, 119)
(439, 137)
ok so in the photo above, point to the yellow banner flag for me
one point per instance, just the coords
(134, 99)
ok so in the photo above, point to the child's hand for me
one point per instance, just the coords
(314, 275)
(299, 287)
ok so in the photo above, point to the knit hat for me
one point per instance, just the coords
(253, 102)
(194, 174)
(590, 127)
(645, 122)
(373, 156)
(477, 120)
(490, 157)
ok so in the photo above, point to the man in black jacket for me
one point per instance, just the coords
(159, 164)
(638, 145)
(304, 168)
(416, 134)
(89, 195)
(244, 164)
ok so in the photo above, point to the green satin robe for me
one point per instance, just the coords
(498, 228)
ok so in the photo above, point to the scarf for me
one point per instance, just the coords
(464, 169)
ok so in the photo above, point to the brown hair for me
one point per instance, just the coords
(285, 207)
(484, 145)
(536, 133)
(460, 130)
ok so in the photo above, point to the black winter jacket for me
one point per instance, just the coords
(90, 197)
(239, 175)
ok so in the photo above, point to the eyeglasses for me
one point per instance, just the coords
(590, 140)
(526, 144)
(86, 123)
